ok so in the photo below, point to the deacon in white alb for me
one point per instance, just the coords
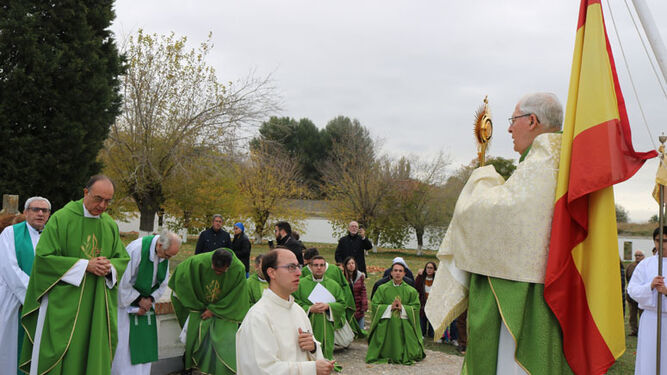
(17, 251)
(144, 281)
(275, 337)
(647, 288)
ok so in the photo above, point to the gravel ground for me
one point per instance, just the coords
(353, 362)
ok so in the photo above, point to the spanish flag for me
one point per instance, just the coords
(582, 283)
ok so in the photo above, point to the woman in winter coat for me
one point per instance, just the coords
(356, 278)
(423, 285)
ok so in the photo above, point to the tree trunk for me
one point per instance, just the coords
(420, 241)
(148, 203)
(146, 218)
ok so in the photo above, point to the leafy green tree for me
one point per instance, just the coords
(302, 140)
(59, 69)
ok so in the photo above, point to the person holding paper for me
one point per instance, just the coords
(323, 301)
(144, 281)
(395, 333)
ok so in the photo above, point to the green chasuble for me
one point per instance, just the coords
(323, 328)
(210, 344)
(256, 288)
(336, 274)
(80, 326)
(395, 340)
(143, 328)
(528, 318)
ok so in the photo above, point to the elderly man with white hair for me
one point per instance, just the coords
(17, 251)
(493, 257)
(144, 281)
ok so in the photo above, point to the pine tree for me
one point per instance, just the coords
(59, 69)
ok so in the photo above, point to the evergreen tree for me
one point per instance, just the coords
(59, 69)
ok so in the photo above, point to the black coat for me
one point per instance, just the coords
(294, 245)
(210, 240)
(241, 246)
(353, 246)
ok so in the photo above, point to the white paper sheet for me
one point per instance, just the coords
(321, 294)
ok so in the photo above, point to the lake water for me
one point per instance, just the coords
(320, 230)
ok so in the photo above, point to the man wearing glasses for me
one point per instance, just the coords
(17, 251)
(497, 270)
(70, 305)
(143, 282)
(276, 335)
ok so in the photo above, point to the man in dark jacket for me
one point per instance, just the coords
(408, 278)
(213, 238)
(241, 246)
(284, 238)
(354, 245)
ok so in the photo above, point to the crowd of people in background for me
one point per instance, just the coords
(232, 320)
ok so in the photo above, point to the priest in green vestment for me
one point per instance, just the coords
(256, 282)
(493, 257)
(70, 312)
(326, 311)
(395, 333)
(336, 274)
(210, 298)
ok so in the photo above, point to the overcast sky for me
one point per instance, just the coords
(412, 72)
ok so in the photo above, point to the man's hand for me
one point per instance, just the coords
(396, 305)
(206, 314)
(319, 307)
(146, 303)
(141, 311)
(306, 341)
(657, 282)
(324, 367)
(362, 233)
(99, 266)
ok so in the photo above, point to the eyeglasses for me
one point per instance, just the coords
(511, 119)
(291, 267)
(663, 240)
(97, 199)
(37, 209)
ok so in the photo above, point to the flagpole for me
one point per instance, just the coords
(661, 220)
(653, 35)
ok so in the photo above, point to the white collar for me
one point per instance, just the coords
(271, 295)
(394, 282)
(32, 230)
(88, 214)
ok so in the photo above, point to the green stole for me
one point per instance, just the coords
(80, 326)
(143, 329)
(211, 343)
(323, 328)
(521, 305)
(395, 340)
(25, 255)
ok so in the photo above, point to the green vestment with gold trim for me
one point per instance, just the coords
(80, 326)
(211, 343)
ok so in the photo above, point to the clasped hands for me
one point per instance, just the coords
(396, 305)
(658, 284)
(145, 304)
(99, 266)
(319, 307)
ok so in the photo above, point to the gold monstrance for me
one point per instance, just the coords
(483, 130)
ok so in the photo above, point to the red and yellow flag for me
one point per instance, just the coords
(582, 283)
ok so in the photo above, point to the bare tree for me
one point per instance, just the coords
(173, 108)
(266, 182)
